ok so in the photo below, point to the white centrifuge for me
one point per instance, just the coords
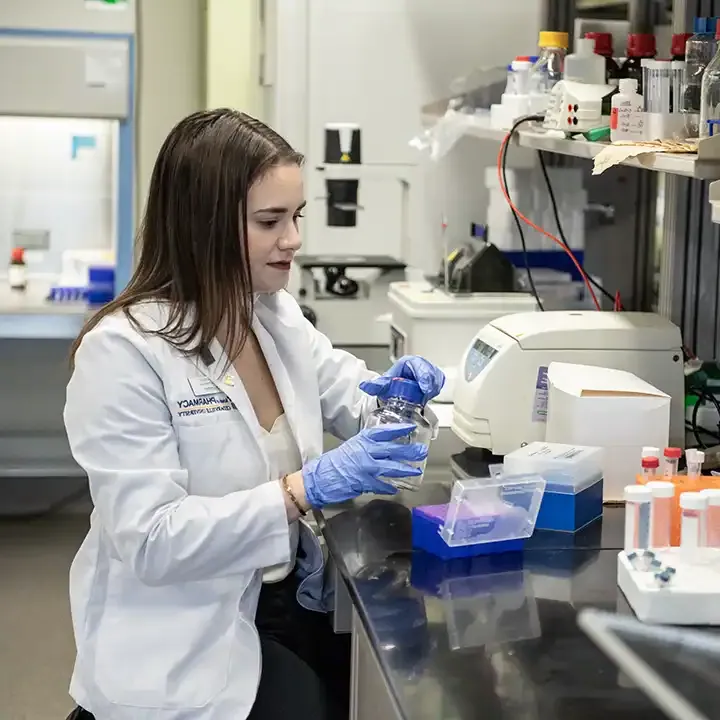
(502, 381)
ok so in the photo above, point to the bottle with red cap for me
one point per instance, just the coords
(17, 270)
(650, 466)
(640, 46)
(678, 45)
(604, 47)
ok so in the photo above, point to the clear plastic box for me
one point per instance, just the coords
(492, 510)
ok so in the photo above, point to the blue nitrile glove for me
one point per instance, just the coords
(412, 367)
(355, 467)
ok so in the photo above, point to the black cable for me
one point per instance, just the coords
(561, 233)
(513, 129)
(702, 394)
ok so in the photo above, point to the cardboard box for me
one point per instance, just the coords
(612, 409)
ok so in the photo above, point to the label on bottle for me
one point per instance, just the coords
(626, 120)
(17, 277)
(614, 119)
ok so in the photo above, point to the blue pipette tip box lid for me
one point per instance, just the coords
(484, 516)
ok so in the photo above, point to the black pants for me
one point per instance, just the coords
(305, 665)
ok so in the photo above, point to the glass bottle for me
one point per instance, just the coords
(699, 51)
(404, 405)
(640, 46)
(548, 70)
(710, 93)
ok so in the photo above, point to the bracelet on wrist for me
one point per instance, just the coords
(288, 490)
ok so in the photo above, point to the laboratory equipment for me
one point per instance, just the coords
(549, 68)
(661, 504)
(713, 517)
(438, 325)
(404, 405)
(710, 92)
(347, 294)
(480, 268)
(484, 516)
(576, 107)
(583, 65)
(691, 594)
(693, 522)
(574, 482)
(650, 468)
(626, 117)
(604, 47)
(637, 517)
(678, 46)
(651, 452)
(17, 270)
(699, 51)
(639, 46)
(505, 366)
(68, 132)
(671, 458)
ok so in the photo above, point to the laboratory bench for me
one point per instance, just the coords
(486, 637)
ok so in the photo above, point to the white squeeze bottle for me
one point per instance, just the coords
(627, 117)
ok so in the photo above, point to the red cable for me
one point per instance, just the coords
(559, 242)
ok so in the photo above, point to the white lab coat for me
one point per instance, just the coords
(165, 586)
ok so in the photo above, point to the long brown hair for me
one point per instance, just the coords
(192, 247)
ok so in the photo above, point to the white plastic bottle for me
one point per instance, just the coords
(627, 117)
(584, 65)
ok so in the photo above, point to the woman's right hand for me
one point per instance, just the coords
(355, 467)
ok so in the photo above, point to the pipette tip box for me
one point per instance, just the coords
(483, 517)
(574, 492)
(690, 593)
(427, 522)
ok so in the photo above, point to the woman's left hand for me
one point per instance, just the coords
(412, 367)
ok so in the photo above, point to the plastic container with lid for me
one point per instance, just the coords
(604, 47)
(17, 269)
(574, 477)
(661, 509)
(639, 46)
(583, 65)
(650, 467)
(521, 67)
(549, 68)
(671, 459)
(626, 116)
(699, 51)
(404, 405)
(484, 516)
(693, 514)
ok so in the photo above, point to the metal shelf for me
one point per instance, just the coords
(705, 166)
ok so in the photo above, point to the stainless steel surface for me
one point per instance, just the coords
(483, 637)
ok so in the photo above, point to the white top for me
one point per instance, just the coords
(284, 457)
(712, 495)
(661, 489)
(693, 501)
(638, 493)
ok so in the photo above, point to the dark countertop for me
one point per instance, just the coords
(492, 637)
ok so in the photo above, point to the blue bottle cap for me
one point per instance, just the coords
(705, 25)
(534, 58)
(405, 389)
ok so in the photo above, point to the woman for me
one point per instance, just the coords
(197, 407)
